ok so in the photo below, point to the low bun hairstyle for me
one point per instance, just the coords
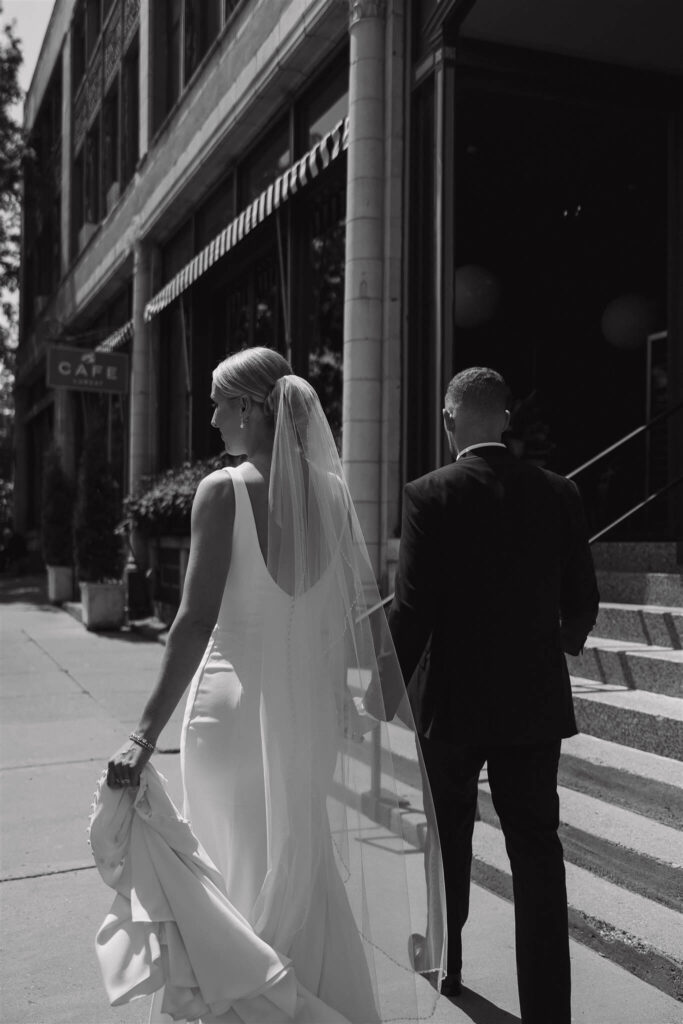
(253, 372)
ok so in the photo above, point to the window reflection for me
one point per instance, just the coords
(326, 107)
(263, 166)
(328, 119)
(253, 307)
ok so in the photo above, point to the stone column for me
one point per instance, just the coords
(363, 304)
(65, 201)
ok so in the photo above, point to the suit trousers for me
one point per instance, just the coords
(523, 783)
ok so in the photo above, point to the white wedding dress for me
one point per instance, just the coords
(248, 793)
(279, 896)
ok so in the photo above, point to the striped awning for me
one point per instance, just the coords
(271, 199)
(117, 339)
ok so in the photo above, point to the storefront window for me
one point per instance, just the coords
(253, 307)
(130, 82)
(202, 25)
(215, 213)
(262, 166)
(327, 107)
(325, 357)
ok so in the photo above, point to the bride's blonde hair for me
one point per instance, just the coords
(253, 372)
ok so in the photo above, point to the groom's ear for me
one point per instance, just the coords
(448, 421)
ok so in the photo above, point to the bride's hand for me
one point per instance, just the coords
(125, 766)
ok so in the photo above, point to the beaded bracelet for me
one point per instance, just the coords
(142, 742)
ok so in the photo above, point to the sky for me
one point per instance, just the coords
(31, 18)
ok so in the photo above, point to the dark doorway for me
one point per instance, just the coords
(561, 249)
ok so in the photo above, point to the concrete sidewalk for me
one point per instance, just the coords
(69, 699)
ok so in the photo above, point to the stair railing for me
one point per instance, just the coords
(612, 448)
(627, 437)
(636, 508)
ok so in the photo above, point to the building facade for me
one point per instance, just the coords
(384, 191)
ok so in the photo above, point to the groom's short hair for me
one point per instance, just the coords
(478, 388)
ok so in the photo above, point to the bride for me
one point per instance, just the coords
(272, 637)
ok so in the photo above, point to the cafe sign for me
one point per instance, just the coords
(82, 369)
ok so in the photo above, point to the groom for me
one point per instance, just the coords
(495, 582)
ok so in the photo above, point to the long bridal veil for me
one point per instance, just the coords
(316, 762)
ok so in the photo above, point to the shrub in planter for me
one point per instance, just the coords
(162, 507)
(164, 503)
(57, 528)
(99, 556)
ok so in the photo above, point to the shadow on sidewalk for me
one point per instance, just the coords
(25, 590)
(481, 1010)
(32, 590)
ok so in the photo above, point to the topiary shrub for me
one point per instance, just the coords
(99, 556)
(164, 503)
(57, 511)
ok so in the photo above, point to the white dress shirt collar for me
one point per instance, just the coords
(482, 444)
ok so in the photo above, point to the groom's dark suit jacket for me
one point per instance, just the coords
(495, 580)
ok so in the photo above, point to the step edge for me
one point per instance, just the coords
(626, 907)
(621, 948)
(614, 644)
(647, 770)
(570, 817)
(650, 609)
(601, 692)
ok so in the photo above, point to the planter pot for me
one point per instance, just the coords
(60, 583)
(103, 605)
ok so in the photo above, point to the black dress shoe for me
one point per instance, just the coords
(451, 985)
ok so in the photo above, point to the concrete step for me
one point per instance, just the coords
(621, 810)
(631, 851)
(644, 783)
(651, 722)
(637, 666)
(660, 588)
(643, 935)
(658, 625)
(638, 556)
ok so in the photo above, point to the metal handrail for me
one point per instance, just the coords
(631, 511)
(627, 437)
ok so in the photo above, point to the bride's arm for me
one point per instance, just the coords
(213, 515)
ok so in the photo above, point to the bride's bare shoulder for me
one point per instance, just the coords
(215, 491)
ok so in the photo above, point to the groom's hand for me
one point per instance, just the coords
(374, 701)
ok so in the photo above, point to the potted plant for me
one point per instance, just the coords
(97, 546)
(160, 513)
(56, 529)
